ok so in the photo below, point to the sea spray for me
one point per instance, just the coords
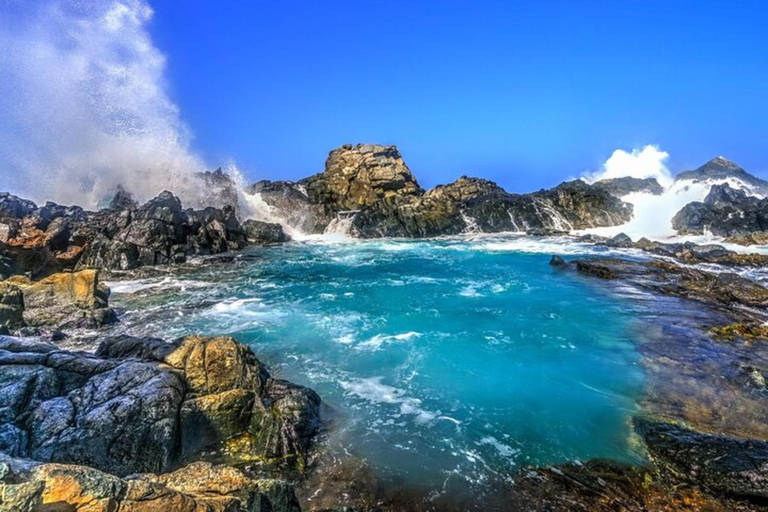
(652, 214)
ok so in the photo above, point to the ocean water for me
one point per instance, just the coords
(444, 362)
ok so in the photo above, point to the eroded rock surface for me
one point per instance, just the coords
(144, 405)
(59, 301)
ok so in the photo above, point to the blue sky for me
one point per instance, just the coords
(526, 93)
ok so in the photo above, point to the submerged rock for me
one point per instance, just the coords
(719, 464)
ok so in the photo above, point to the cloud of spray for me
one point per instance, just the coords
(86, 106)
(647, 162)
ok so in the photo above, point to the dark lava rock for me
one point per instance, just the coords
(257, 232)
(219, 190)
(670, 279)
(719, 464)
(141, 405)
(620, 187)
(724, 212)
(123, 200)
(621, 241)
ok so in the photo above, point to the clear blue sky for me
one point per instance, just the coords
(525, 93)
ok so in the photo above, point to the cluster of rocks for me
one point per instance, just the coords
(687, 252)
(725, 212)
(373, 185)
(111, 430)
(39, 241)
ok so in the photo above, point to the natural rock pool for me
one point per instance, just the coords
(449, 363)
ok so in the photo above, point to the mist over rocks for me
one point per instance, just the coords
(620, 187)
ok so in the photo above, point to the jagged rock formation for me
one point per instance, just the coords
(720, 168)
(373, 186)
(41, 241)
(59, 301)
(724, 212)
(144, 405)
(620, 187)
(356, 177)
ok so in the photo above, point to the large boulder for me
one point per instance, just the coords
(144, 405)
(258, 232)
(63, 300)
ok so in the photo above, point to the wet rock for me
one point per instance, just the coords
(292, 204)
(257, 232)
(619, 241)
(219, 190)
(143, 405)
(725, 212)
(557, 261)
(722, 465)
(621, 187)
(123, 200)
(733, 332)
(546, 232)
(724, 289)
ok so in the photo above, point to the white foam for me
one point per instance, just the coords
(374, 391)
(376, 342)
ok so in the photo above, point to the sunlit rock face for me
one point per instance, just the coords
(359, 176)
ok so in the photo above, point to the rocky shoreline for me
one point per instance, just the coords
(198, 423)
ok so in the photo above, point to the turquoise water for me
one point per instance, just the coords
(451, 360)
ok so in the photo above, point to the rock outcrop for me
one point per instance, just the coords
(60, 301)
(257, 232)
(719, 464)
(720, 168)
(372, 187)
(144, 405)
(42, 241)
(724, 212)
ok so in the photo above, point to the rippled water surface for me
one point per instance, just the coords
(450, 360)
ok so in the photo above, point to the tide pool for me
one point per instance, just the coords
(443, 362)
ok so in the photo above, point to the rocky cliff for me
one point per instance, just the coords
(373, 187)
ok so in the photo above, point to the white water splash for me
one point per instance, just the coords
(652, 214)
(648, 162)
(85, 104)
